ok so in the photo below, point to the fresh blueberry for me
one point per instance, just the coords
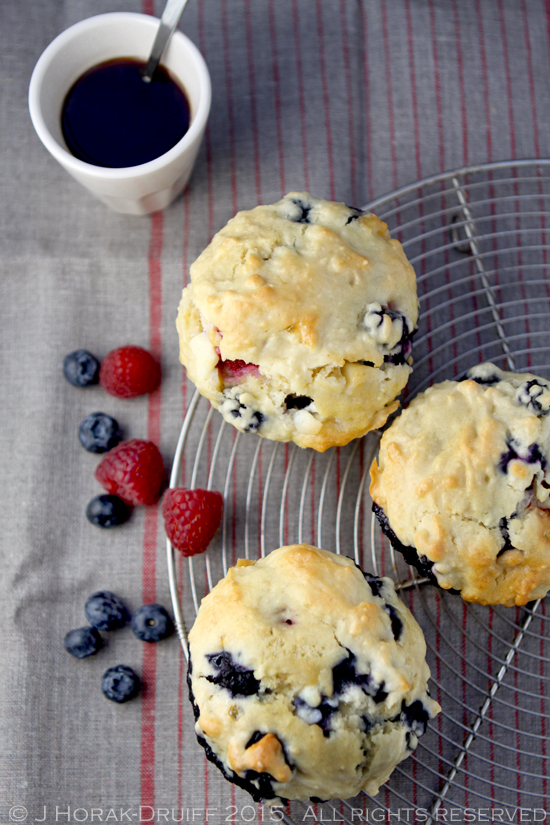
(81, 368)
(256, 421)
(297, 402)
(120, 683)
(152, 623)
(529, 394)
(345, 674)
(105, 611)
(532, 456)
(99, 433)
(505, 533)
(375, 583)
(396, 623)
(238, 680)
(423, 564)
(415, 716)
(107, 510)
(319, 715)
(355, 213)
(483, 374)
(302, 215)
(82, 642)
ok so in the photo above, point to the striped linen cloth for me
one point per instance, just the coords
(349, 99)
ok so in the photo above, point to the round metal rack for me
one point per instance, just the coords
(479, 239)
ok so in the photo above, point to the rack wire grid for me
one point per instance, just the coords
(479, 240)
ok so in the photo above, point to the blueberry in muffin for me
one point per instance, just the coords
(298, 321)
(307, 677)
(461, 486)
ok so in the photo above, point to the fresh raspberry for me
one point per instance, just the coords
(132, 470)
(128, 372)
(191, 517)
(234, 372)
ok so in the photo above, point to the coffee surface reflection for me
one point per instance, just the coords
(112, 118)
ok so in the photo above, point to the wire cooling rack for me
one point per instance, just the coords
(479, 239)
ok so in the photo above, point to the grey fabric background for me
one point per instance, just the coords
(347, 98)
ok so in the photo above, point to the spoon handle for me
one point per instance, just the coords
(168, 22)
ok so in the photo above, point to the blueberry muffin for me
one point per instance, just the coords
(462, 481)
(298, 320)
(308, 678)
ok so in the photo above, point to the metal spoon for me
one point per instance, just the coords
(168, 22)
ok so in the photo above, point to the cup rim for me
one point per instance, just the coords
(65, 157)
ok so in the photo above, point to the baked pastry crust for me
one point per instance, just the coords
(463, 478)
(308, 679)
(297, 322)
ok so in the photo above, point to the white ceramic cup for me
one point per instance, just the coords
(135, 190)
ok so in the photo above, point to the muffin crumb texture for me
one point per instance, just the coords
(298, 321)
(307, 677)
(462, 484)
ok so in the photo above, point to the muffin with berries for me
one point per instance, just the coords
(298, 320)
(307, 677)
(461, 486)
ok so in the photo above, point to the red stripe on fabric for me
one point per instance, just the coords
(414, 96)
(149, 575)
(235, 509)
(531, 79)
(326, 100)
(210, 201)
(516, 718)
(461, 87)
(351, 124)
(438, 682)
(509, 98)
(312, 482)
(207, 135)
(260, 505)
(155, 300)
(418, 158)
(285, 520)
(490, 713)
(485, 79)
(182, 669)
(489, 144)
(413, 756)
(277, 91)
(186, 228)
(464, 130)
(368, 130)
(464, 696)
(154, 399)
(437, 86)
(300, 81)
(253, 108)
(229, 98)
(543, 659)
(151, 519)
(361, 536)
(389, 91)
(148, 7)
(147, 775)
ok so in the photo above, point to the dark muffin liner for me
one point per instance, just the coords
(422, 563)
(261, 792)
(240, 682)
